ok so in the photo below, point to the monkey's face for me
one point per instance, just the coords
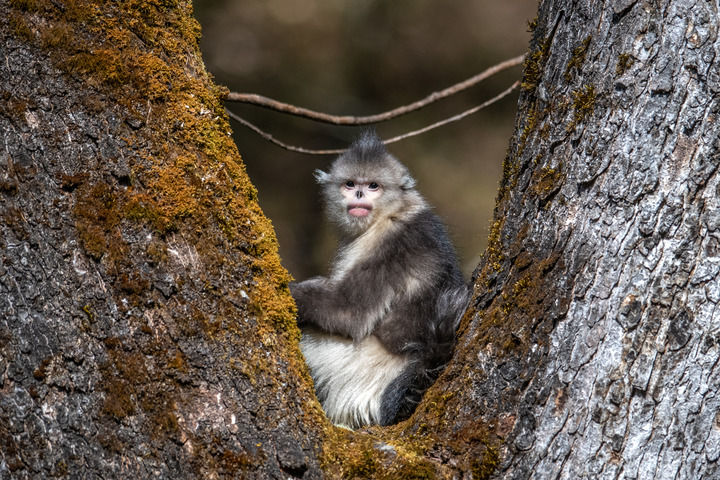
(360, 197)
(363, 186)
(356, 202)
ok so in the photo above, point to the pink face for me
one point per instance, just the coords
(360, 197)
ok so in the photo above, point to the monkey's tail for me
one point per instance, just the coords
(428, 360)
(450, 307)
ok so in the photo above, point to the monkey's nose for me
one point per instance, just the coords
(359, 194)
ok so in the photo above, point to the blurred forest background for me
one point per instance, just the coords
(350, 57)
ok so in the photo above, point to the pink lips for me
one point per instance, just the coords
(359, 210)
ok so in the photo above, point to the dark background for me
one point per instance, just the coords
(355, 57)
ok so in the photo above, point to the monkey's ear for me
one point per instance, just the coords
(321, 177)
(407, 182)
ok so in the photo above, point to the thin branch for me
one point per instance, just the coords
(266, 102)
(277, 142)
(413, 133)
(455, 118)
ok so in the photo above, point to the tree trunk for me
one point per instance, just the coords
(145, 324)
(142, 304)
(593, 350)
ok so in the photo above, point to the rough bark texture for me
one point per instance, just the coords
(602, 276)
(141, 297)
(145, 324)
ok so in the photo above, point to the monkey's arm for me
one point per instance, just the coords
(410, 265)
(350, 307)
(318, 304)
(308, 296)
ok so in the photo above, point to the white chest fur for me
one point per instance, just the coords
(350, 378)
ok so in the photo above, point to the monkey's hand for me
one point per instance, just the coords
(307, 294)
(321, 305)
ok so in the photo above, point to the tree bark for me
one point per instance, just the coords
(594, 348)
(145, 323)
(142, 304)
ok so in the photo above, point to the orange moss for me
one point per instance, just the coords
(143, 54)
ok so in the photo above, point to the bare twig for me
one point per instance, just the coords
(454, 118)
(413, 133)
(277, 142)
(265, 102)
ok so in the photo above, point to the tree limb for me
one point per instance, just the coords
(272, 104)
(413, 133)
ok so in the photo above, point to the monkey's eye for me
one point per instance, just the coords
(350, 184)
(373, 186)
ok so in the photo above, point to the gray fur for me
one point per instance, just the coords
(395, 277)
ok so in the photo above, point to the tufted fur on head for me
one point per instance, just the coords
(362, 160)
(367, 160)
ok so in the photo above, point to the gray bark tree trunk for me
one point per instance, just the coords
(145, 324)
(608, 227)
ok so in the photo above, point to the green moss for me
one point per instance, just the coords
(358, 455)
(583, 105)
(88, 311)
(625, 61)
(546, 180)
(494, 250)
(531, 122)
(60, 469)
(534, 64)
(363, 465)
(482, 468)
(577, 59)
(532, 25)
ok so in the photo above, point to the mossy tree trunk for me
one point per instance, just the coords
(146, 329)
(145, 325)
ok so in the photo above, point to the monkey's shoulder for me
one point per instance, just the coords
(424, 232)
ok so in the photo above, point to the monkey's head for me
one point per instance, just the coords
(364, 184)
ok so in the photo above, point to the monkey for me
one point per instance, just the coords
(380, 327)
